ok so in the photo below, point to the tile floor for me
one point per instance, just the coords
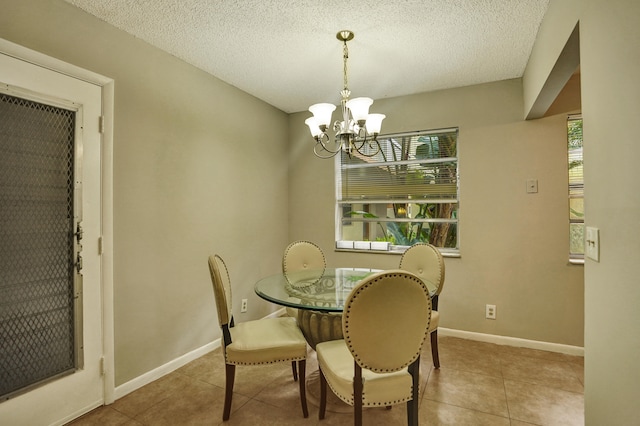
(478, 384)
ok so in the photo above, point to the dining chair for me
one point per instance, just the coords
(263, 341)
(301, 255)
(426, 261)
(385, 322)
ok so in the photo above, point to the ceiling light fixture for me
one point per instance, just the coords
(358, 130)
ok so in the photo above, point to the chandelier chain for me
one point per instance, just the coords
(345, 55)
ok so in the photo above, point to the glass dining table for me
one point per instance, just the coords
(318, 296)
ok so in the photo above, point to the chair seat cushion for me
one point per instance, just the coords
(435, 319)
(337, 365)
(266, 341)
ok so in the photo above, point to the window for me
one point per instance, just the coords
(406, 193)
(576, 188)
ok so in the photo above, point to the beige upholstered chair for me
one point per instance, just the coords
(301, 255)
(262, 341)
(385, 323)
(425, 261)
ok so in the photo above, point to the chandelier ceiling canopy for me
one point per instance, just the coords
(357, 131)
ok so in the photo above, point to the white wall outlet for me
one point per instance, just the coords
(490, 312)
(243, 307)
(592, 243)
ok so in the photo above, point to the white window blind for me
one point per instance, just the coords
(407, 193)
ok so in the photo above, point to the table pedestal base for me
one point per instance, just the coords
(319, 326)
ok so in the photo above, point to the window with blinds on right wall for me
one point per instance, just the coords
(576, 189)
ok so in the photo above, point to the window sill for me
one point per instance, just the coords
(576, 262)
(390, 251)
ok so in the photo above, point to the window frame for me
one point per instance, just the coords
(575, 257)
(388, 247)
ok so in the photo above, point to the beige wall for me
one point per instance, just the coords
(513, 245)
(610, 36)
(179, 141)
(609, 62)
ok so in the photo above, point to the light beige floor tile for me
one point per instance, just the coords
(208, 367)
(471, 359)
(519, 423)
(198, 403)
(468, 390)
(249, 379)
(578, 369)
(468, 344)
(261, 414)
(372, 416)
(149, 395)
(541, 371)
(536, 353)
(544, 405)
(102, 416)
(440, 414)
(283, 392)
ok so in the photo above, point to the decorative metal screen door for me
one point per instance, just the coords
(49, 355)
(40, 261)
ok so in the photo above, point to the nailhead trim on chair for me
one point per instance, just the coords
(284, 259)
(349, 400)
(347, 313)
(266, 362)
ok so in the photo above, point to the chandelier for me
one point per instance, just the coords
(357, 130)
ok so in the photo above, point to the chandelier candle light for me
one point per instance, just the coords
(357, 130)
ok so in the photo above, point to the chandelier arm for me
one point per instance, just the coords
(374, 144)
(360, 143)
(323, 141)
(319, 154)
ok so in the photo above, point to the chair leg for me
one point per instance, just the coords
(434, 348)
(357, 395)
(412, 413)
(230, 373)
(323, 395)
(294, 370)
(303, 388)
(413, 404)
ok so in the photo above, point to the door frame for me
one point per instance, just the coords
(107, 85)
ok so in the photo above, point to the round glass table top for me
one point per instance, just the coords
(319, 290)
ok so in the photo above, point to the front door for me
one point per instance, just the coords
(56, 338)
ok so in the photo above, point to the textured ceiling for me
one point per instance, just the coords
(285, 52)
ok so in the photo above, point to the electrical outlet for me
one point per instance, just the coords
(490, 312)
(243, 308)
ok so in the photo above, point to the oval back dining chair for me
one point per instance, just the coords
(385, 323)
(301, 255)
(263, 341)
(426, 261)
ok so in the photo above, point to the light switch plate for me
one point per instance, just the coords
(532, 186)
(592, 243)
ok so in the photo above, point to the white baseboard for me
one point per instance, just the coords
(282, 312)
(512, 341)
(165, 369)
(173, 365)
